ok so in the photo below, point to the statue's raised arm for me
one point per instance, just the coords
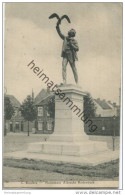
(54, 15)
(59, 31)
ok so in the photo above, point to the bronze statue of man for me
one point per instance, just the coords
(69, 52)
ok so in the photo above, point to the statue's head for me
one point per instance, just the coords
(72, 33)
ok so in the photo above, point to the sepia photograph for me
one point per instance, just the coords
(62, 95)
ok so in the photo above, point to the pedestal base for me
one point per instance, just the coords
(86, 160)
(69, 138)
(67, 148)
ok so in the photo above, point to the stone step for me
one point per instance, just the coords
(86, 160)
(67, 137)
(68, 148)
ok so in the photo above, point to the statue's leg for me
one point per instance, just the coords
(64, 65)
(72, 64)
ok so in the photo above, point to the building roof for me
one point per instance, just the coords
(45, 100)
(40, 96)
(43, 95)
(103, 104)
(14, 101)
(112, 104)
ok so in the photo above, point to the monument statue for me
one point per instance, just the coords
(69, 48)
(69, 143)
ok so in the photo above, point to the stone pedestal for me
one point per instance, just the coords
(68, 124)
(69, 138)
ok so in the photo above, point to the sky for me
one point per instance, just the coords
(30, 35)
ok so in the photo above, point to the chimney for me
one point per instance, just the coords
(32, 94)
(48, 90)
(114, 104)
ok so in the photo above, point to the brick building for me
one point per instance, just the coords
(105, 108)
(45, 121)
(17, 122)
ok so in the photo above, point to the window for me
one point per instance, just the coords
(17, 125)
(40, 126)
(40, 111)
(103, 128)
(49, 126)
(21, 126)
(11, 126)
(15, 113)
(48, 113)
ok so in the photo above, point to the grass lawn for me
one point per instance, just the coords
(107, 171)
(31, 170)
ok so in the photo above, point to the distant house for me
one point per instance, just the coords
(105, 108)
(17, 122)
(16, 104)
(115, 107)
(14, 124)
(44, 122)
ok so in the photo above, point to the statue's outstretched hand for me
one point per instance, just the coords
(58, 29)
(58, 23)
